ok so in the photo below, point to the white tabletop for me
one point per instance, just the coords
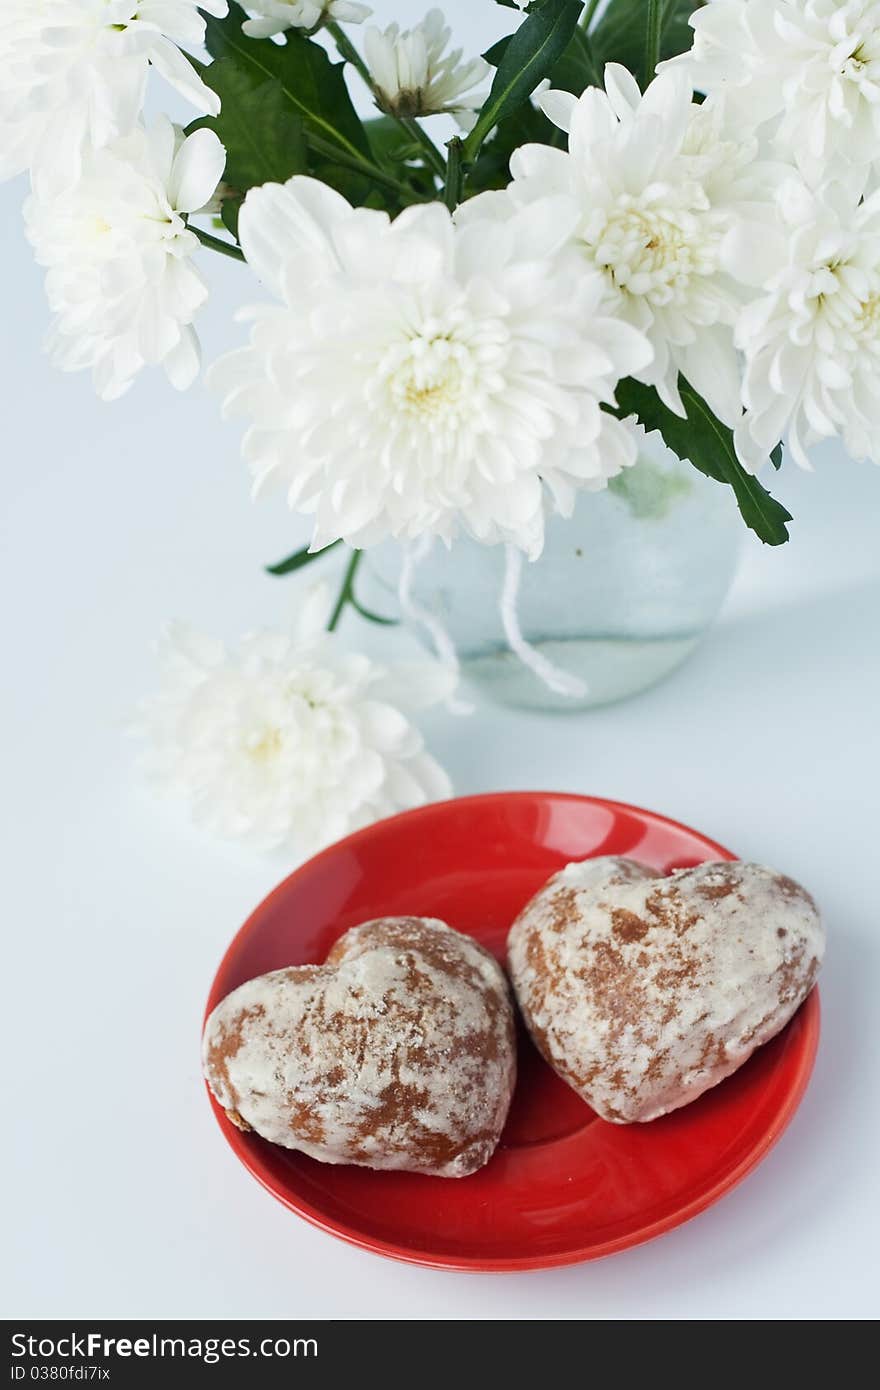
(123, 1200)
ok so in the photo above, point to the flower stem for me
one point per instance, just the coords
(652, 40)
(347, 50)
(432, 155)
(454, 174)
(214, 243)
(327, 150)
(587, 16)
(346, 593)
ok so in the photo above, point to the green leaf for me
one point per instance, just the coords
(354, 186)
(577, 69)
(313, 87)
(494, 54)
(229, 210)
(299, 559)
(619, 37)
(526, 126)
(262, 135)
(574, 72)
(388, 140)
(527, 59)
(708, 445)
(393, 147)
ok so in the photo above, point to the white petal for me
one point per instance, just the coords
(279, 220)
(753, 252)
(418, 684)
(315, 608)
(384, 727)
(540, 162)
(167, 59)
(197, 170)
(711, 366)
(543, 228)
(558, 107)
(183, 363)
(623, 90)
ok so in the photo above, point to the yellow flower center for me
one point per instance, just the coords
(430, 378)
(265, 746)
(651, 253)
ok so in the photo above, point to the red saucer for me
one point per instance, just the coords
(563, 1186)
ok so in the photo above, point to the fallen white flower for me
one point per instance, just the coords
(290, 741)
(120, 280)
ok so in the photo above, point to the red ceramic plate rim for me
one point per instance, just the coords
(810, 1012)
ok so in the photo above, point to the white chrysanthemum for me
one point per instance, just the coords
(812, 67)
(271, 17)
(413, 74)
(120, 281)
(289, 741)
(812, 342)
(420, 376)
(73, 73)
(666, 204)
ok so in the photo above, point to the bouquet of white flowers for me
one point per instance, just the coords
(653, 212)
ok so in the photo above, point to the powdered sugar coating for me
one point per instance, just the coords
(643, 991)
(397, 1053)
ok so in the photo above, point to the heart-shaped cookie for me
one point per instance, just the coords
(643, 991)
(398, 1052)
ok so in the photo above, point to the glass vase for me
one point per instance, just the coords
(623, 592)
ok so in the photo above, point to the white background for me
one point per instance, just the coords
(122, 1197)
